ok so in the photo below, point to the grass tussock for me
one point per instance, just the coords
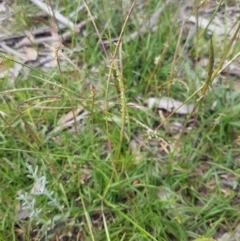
(85, 156)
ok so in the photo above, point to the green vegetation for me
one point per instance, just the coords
(172, 185)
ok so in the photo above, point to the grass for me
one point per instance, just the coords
(88, 171)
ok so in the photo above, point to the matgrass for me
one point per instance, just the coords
(88, 171)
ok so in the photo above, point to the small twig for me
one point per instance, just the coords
(68, 124)
(51, 39)
(12, 51)
(55, 14)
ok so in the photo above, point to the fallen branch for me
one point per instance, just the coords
(54, 14)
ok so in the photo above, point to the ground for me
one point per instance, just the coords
(119, 120)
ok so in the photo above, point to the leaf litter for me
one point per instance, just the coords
(157, 145)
